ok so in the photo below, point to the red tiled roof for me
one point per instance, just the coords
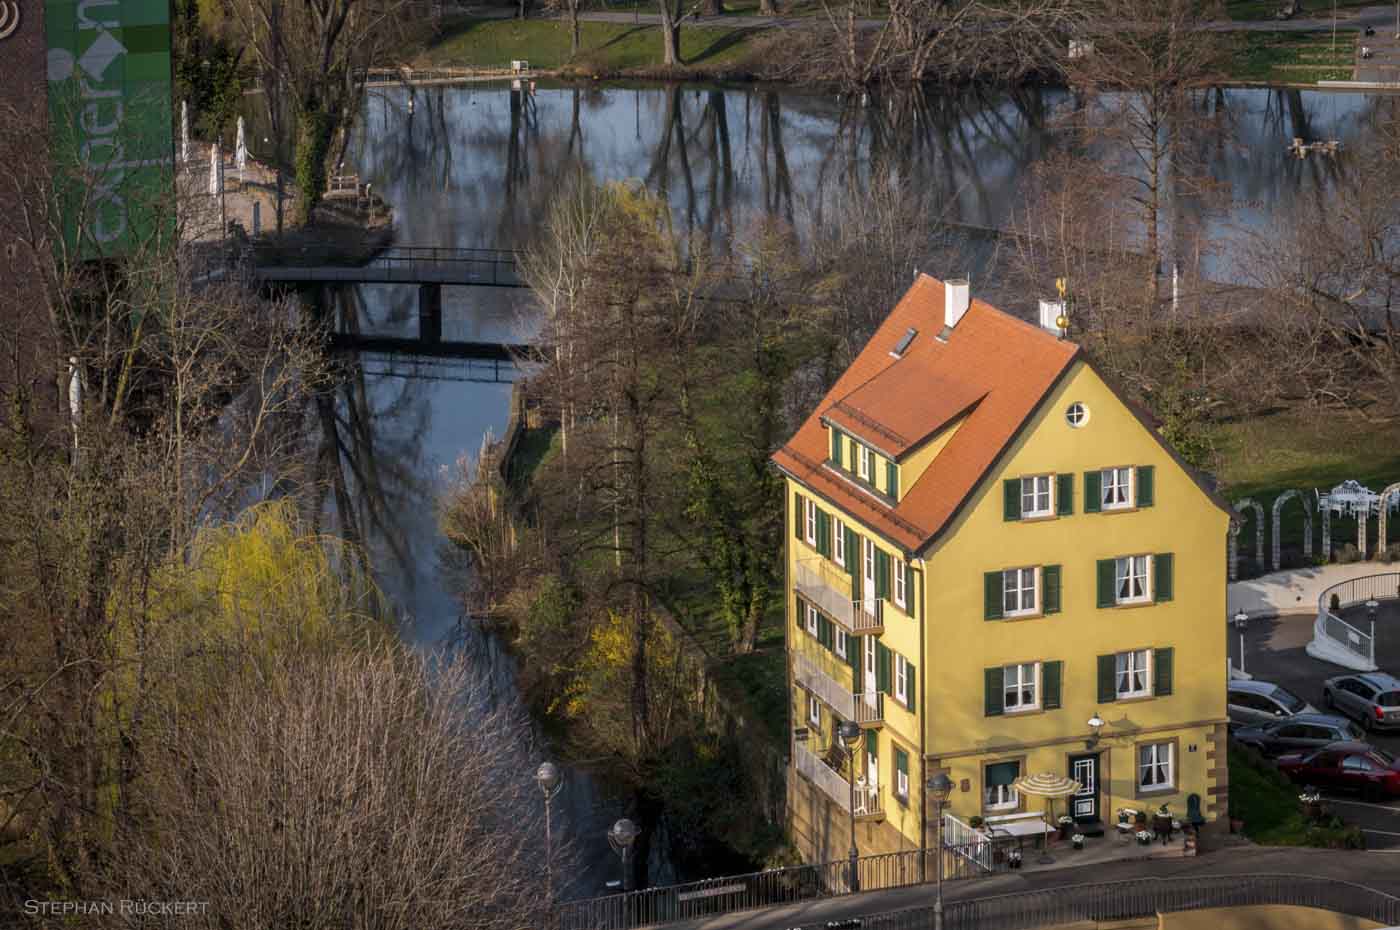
(994, 367)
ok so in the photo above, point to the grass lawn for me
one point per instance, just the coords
(611, 47)
(1304, 449)
(1295, 57)
(1265, 9)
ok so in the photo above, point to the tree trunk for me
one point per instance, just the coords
(573, 29)
(767, 8)
(670, 36)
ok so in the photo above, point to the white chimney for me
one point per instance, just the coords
(956, 296)
(1050, 313)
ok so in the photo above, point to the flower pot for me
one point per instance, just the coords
(1077, 841)
(1236, 825)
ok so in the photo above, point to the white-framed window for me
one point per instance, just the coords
(1131, 583)
(1156, 767)
(901, 775)
(1001, 797)
(841, 642)
(1117, 484)
(1076, 414)
(868, 554)
(811, 517)
(811, 620)
(1021, 689)
(901, 679)
(1036, 496)
(814, 711)
(1019, 596)
(900, 594)
(838, 541)
(1134, 673)
(864, 462)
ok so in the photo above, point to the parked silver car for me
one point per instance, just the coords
(1299, 733)
(1250, 703)
(1370, 698)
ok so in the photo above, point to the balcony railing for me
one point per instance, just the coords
(835, 787)
(869, 707)
(830, 591)
(865, 708)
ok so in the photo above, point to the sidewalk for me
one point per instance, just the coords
(1377, 870)
(1292, 591)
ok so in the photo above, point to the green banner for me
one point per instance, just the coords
(112, 141)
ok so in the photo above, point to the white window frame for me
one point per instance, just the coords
(1120, 575)
(811, 619)
(901, 679)
(1012, 579)
(841, 641)
(1020, 683)
(814, 710)
(864, 461)
(901, 779)
(810, 525)
(1156, 750)
(1077, 414)
(1110, 486)
(1006, 797)
(838, 541)
(1125, 663)
(1036, 493)
(900, 594)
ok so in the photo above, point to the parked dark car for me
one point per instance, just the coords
(1254, 703)
(1351, 766)
(1371, 698)
(1298, 734)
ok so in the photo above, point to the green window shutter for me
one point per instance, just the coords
(797, 515)
(823, 533)
(1145, 489)
(886, 661)
(1106, 576)
(852, 553)
(882, 573)
(1161, 672)
(1002, 773)
(1011, 494)
(1050, 597)
(892, 479)
(1093, 491)
(823, 631)
(1064, 495)
(901, 762)
(909, 686)
(1162, 577)
(872, 743)
(851, 453)
(1050, 675)
(996, 693)
(992, 595)
(1108, 679)
(909, 588)
(836, 446)
(853, 645)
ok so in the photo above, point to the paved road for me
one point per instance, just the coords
(1378, 870)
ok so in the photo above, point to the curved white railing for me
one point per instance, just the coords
(1336, 641)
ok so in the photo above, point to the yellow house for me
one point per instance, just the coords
(987, 548)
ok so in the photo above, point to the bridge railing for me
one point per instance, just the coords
(497, 267)
(762, 889)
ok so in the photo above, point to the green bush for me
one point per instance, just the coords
(313, 142)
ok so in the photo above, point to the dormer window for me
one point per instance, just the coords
(864, 463)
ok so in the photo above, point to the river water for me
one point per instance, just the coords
(477, 166)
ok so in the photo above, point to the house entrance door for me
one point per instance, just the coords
(1084, 804)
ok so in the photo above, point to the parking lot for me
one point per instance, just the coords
(1274, 650)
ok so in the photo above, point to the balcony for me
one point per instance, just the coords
(866, 709)
(830, 590)
(835, 787)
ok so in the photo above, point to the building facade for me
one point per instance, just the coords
(986, 548)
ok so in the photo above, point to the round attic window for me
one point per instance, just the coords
(1077, 414)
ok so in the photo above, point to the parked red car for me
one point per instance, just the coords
(1357, 767)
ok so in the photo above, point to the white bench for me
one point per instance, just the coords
(1030, 823)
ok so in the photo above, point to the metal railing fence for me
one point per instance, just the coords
(1143, 898)
(496, 267)
(760, 889)
(1350, 593)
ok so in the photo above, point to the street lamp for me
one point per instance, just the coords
(849, 734)
(621, 837)
(1241, 624)
(939, 787)
(1095, 725)
(1372, 605)
(548, 778)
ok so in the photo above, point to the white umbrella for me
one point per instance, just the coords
(240, 151)
(216, 170)
(1050, 786)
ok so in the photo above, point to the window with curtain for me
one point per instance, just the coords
(998, 793)
(1155, 766)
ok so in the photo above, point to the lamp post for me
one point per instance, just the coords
(939, 787)
(548, 778)
(1241, 624)
(621, 837)
(1372, 605)
(849, 734)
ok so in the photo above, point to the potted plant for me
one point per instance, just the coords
(1311, 799)
(1077, 841)
(1335, 604)
(1144, 837)
(1013, 859)
(1162, 821)
(976, 823)
(1066, 826)
(1140, 820)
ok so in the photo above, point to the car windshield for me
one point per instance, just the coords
(1389, 699)
(1291, 702)
(1383, 757)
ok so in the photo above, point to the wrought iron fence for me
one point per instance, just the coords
(761, 889)
(1350, 593)
(1138, 898)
